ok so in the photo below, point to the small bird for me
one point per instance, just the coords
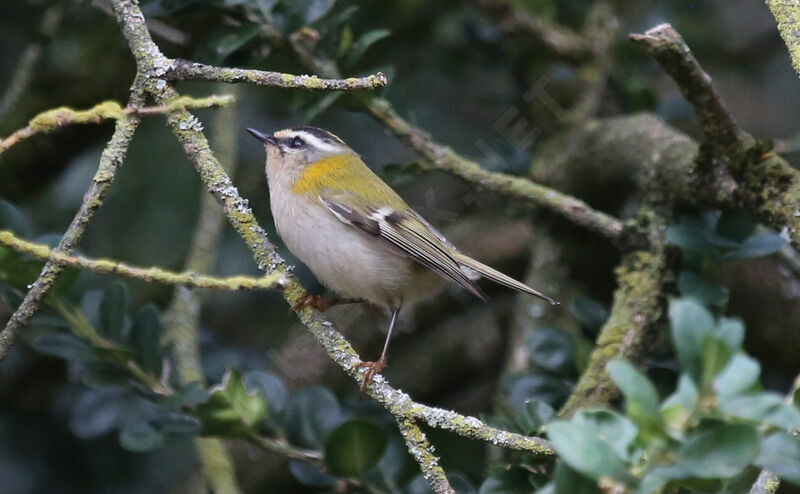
(356, 234)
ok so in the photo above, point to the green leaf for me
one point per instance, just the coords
(311, 415)
(552, 350)
(177, 423)
(780, 453)
(65, 346)
(738, 376)
(231, 410)
(224, 42)
(513, 480)
(364, 42)
(270, 387)
(705, 291)
(755, 406)
(354, 447)
(689, 237)
(715, 356)
(146, 339)
(613, 428)
(757, 246)
(677, 408)
(785, 417)
(641, 398)
(731, 329)
(588, 311)
(139, 436)
(98, 374)
(583, 451)
(534, 415)
(113, 308)
(190, 395)
(568, 481)
(735, 227)
(689, 322)
(721, 452)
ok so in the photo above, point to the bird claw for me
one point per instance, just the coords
(317, 301)
(372, 369)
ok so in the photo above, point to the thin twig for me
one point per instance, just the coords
(50, 120)
(185, 70)
(110, 161)
(422, 451)
(671, 52)
(152, 274)
(185, 126)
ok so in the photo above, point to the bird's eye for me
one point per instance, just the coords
(296, 143)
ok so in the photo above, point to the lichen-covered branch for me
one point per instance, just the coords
(182, 317)
(738, 173)
(184, 70)
(671, 52)
(110, 160)
(636, 307)
(787, 15)
(56, 118)
(188, 131)
(109, 267)
(445, 159)
(766, 483)
(422, 451)
(558, 39)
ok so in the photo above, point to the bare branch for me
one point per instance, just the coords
(185, 70)
(671, 52)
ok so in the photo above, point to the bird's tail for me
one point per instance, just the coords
(498, 277)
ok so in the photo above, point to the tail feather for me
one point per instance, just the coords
(500, 278)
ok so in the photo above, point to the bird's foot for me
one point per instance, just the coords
(317, 301)
(372, 369)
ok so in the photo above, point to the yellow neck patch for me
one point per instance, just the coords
(346, 172)
(327, 172)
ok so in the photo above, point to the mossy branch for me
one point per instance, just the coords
(152, 274)
(110, 161)
(445, 159)
(787, 15)
(185, 70)
(50, 120)
(739, 173)
(184, 125)
(636, 307)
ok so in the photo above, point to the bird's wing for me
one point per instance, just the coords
(405, 230)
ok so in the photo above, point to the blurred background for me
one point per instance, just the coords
(457, 71)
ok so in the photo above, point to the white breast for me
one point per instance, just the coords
(347, 260)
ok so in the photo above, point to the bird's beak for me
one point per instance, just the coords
(262, 137)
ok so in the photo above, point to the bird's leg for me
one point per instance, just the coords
(321, 303)
(376, 367)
